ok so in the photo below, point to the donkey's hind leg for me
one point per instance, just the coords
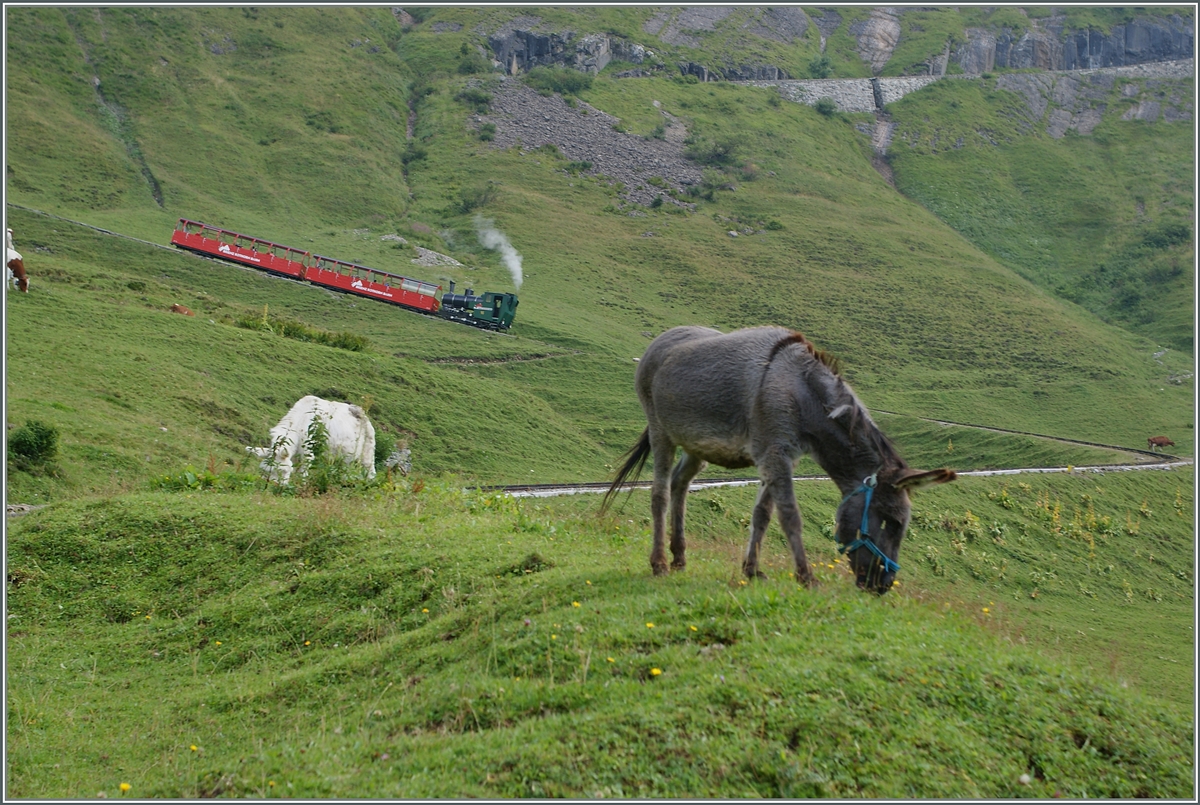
(759, 520)
(681, 477)
(664, 454)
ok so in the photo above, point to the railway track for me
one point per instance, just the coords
(1063, 440)
(556, 490)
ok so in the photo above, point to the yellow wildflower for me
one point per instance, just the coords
(125, 787)
(655, 671)
(649, 625)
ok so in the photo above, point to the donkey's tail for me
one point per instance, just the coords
(637, 456)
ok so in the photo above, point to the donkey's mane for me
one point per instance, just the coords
(827, 360)
(881, 444)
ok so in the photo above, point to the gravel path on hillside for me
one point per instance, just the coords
(584, 133)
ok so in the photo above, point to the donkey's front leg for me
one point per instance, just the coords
(681, 478)
(777, 483)
(759, 521)
(790, 522)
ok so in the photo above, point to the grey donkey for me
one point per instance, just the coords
(765, 396)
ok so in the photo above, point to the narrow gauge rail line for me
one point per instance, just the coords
(1062, 439)
(556, 490)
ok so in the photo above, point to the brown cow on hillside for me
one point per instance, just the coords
(181, 309)
(16, 266)
(1159, 441)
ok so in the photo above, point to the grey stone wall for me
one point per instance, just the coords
(858, 94)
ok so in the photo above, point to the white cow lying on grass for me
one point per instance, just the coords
(350, 435)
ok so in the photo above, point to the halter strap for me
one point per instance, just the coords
(867, 488)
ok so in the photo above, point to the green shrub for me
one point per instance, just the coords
(710, 182)
(826, 106)
(578, 166)
(472, 63)
(319, 470)
(384, 445)
(711, 152)
(473, 198)
(192, 480)
(477, 99)
(33, 444)
(820, 67)
(562, 80)
(487, 132)
(413, 153)
(289, 328)
(1168, 235)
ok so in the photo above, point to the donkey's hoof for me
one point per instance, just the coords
(678, 564)
(659, 568)
(754, 574)
(806, 579)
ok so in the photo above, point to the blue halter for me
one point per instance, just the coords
(867, 487)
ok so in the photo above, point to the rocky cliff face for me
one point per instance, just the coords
(877, 37)
(1051, 46)
(522, 43)
(519, 47)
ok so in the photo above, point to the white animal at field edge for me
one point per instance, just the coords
(16, 265)
(351, 436)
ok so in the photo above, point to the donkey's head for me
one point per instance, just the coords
(872, 519)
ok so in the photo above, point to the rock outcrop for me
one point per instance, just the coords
(519, 47)
(1077, 101)
(877, 37)
(1049, 45)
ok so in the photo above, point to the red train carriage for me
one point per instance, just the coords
(374, 283)
(237, 248)
(303, 265)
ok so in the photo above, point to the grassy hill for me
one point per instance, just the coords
(375, 642)
(427, 643)
(1103, 220)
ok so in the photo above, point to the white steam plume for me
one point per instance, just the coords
(492, 238)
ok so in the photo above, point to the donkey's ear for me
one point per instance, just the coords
(915, 479)
(840, 411)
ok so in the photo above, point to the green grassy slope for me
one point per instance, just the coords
(1104, 220)
(926, 324)
(427, 644)
(241, 116)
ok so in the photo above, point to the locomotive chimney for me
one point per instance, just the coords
(451, 286)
